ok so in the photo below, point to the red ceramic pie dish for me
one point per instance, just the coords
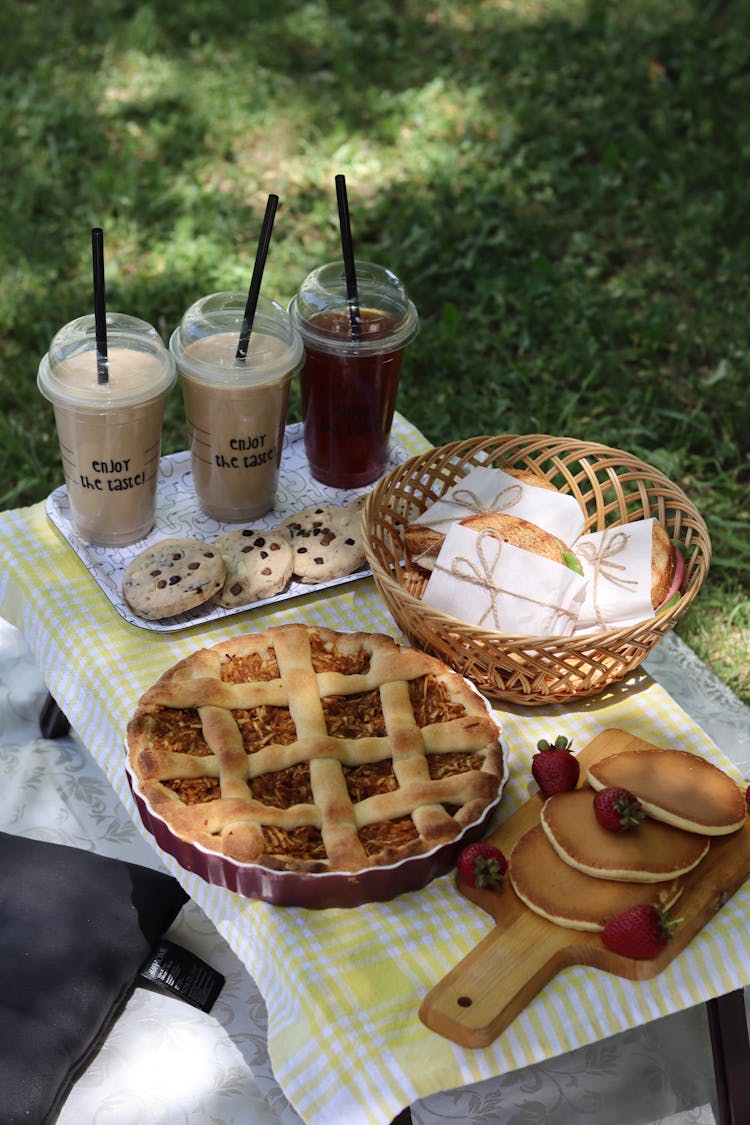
(309, 767)
(318, 890)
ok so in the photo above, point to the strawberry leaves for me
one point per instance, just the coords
(641, 932)
(617, 809)
(482, 865)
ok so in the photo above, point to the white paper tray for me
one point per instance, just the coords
(178, 514)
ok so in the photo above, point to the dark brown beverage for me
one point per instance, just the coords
(349, 380)
(348, 402)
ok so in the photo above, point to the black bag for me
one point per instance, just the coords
(75, 928)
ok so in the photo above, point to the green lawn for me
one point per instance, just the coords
(561, 185)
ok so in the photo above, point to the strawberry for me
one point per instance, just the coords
(554, 768)
(641, 932)
(482, 865)
(617, 809)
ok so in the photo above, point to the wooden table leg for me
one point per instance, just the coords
(52, 722)
(731, 1051)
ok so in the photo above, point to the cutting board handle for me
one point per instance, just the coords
(485, 991)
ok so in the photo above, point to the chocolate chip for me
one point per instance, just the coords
(236, 589)
(276, 546)
(264, 554)
(266, 570)
(319, 562)
(154, 573)
(259, 542)
(193, 565)
(175, 579)
(349, 542)
(162, 584)
(302, 550)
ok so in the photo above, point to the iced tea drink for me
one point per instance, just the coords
(349, 379)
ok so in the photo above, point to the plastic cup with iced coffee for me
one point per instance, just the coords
(236, 407)
(350, 377)
(108, 413)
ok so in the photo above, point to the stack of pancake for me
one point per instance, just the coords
(578, 874)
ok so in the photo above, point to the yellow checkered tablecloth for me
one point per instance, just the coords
(343, 987)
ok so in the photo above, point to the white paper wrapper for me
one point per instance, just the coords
(493, 490)
(617, 563)
(487, 582)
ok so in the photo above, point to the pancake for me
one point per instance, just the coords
(650, 853)
(567, 897)
(676, 787)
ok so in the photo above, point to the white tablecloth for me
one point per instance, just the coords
(165, 1063)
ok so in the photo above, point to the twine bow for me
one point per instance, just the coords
(506, 498)
(601, 560)
(482, 575)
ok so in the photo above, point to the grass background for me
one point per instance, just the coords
(562, 185)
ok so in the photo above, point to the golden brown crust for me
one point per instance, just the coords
(518, 532)
(312, 750)
(422, 544)
(663, 563)
(528, 476)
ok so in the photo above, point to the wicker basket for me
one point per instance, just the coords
(612, 488)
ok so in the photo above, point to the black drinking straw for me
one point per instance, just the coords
(100, 311)
(254, 290)
(347, 249)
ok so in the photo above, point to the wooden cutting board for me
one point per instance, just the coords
(484, 993)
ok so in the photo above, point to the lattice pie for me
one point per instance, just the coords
(310, 750)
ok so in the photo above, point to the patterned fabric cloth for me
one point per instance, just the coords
(343, 987)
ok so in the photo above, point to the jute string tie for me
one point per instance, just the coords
(482, 575)
(602, 561)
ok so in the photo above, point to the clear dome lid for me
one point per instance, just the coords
(205, 341)
(321, 311)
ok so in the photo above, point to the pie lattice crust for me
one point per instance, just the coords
(307, 749)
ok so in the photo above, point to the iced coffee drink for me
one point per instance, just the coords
(109, 433)
(236, 409)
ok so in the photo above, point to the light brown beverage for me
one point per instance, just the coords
(236, 410)
(235, 431)
(110, 435)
